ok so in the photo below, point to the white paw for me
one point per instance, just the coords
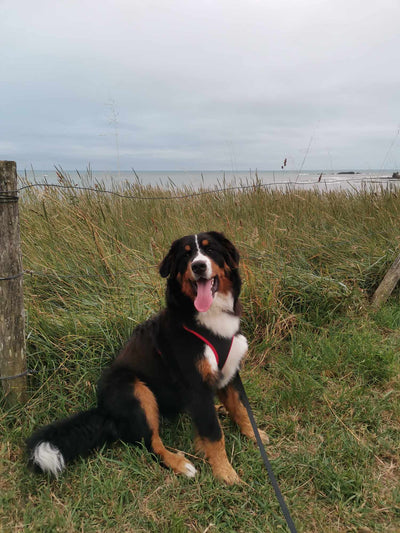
(190, 470)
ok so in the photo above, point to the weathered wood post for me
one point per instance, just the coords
(387, 285)
(12, 319)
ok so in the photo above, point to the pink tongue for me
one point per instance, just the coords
(204, 297)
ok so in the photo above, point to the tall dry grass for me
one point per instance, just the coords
(322, 373)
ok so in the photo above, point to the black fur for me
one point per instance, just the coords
(160, 354)
(77, 435)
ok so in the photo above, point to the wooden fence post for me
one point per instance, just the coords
(387, 285)
(12, 319)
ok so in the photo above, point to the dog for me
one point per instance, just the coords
(177, 361)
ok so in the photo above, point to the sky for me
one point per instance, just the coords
(200, 84)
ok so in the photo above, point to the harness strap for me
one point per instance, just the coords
(204, 340)
(219, 343)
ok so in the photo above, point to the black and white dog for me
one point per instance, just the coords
(176, 361)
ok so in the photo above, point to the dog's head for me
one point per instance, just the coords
(203, 265)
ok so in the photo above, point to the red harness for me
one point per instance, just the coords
(220, 346)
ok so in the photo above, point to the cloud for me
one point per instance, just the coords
(199, 84)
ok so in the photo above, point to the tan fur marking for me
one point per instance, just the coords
(205, 242)
(237, 411)
(215, 453)
(187, 287)
(149, 405)
(225, 284)
(206, 372)
(188, 248)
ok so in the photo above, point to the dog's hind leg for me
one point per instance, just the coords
(133, 408)
(148, 403)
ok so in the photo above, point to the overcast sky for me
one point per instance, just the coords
(198, 84)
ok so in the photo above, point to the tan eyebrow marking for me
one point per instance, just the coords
(205, 242)
(188, 248)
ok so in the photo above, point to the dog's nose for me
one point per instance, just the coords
(199, 268)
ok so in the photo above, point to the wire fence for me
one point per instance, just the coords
(63, 275)
(12, 196)
(372, 180)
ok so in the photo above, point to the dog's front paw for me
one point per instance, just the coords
(250, 434)
(186, 468)
(264, 436)
(189, 470)
(225, 472)
(181, 465)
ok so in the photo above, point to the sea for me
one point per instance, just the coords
(323, 180)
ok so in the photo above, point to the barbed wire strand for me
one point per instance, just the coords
(11, 196)
(216, 190)
(27, 372)
(61, 275)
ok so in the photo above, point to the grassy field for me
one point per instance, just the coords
(322, 372)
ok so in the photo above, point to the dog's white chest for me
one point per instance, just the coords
(221, 321)
(219, 318)
(236, 354)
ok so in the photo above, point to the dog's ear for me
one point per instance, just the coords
(167, 264)
(233, 253)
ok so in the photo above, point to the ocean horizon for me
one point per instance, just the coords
(321, 179)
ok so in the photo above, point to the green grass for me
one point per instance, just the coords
(322, 372)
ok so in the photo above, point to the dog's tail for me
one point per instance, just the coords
(51, 447)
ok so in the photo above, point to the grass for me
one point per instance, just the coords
(322, 372)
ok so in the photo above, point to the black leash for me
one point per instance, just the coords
(264, 456)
